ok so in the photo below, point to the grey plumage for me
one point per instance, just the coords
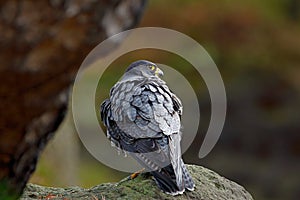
(142, 117)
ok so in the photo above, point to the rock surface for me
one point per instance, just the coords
(209, 186)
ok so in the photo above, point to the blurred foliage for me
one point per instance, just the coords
(256, 46)
(4, 191)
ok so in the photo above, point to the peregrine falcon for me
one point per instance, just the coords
(143, 118)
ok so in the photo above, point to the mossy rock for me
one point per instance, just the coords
(209, 186)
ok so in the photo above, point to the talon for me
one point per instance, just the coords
(135, 174)
(131, 176)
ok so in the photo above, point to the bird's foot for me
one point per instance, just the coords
(131, 176)
(135, 174)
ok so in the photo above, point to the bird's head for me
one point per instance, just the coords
(144, 68)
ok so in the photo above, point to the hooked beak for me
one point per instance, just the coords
(158, 72)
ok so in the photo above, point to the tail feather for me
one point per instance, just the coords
(166, 180)
(165, 184)
(175, 157)
(188, 180)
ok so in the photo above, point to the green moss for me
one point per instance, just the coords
(209, 186)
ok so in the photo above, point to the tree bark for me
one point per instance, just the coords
(42, 44)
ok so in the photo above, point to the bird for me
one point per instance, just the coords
(142, 117)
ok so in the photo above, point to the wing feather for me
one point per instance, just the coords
(143, 118)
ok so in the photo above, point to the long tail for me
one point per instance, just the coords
(175, 158)
(188, 180)
(166, 179)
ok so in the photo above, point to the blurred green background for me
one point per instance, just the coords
(256, 45)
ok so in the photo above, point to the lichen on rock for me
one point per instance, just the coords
(209, 186)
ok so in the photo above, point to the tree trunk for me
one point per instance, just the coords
(42, 44)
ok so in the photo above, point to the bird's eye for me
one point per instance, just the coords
(152, 67)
